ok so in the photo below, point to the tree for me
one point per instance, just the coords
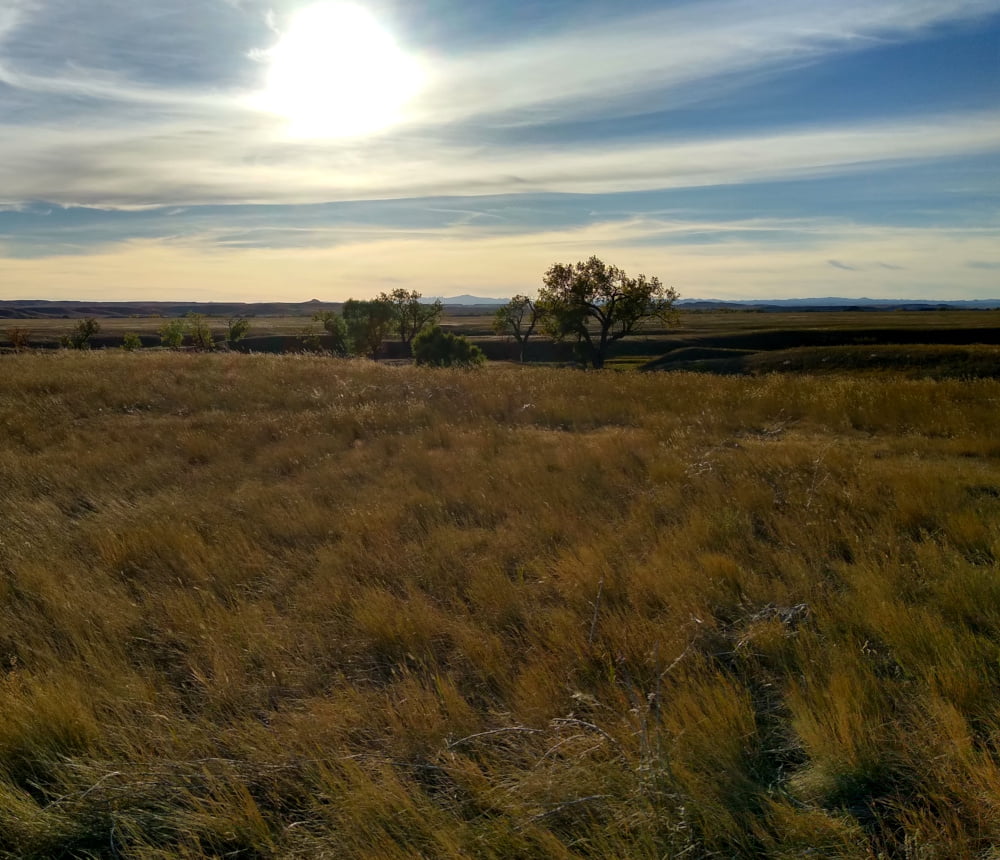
(237, 328)
(410, 316)
(201, 334)
(79, 338)
(335, 326)
(172, 334)
(368, 324)
(518, 318)
(598, 304)
(443, 349)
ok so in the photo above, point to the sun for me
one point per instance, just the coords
(336, 73)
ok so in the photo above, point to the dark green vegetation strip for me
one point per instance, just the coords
(922, 360)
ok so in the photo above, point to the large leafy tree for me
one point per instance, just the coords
(368, 324)
(410, 315)
(517, 319)
(596, 304)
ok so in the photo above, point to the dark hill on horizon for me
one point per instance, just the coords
(46, 309)
(834, 303)
(65, 309)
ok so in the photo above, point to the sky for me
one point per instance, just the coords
(296, 149)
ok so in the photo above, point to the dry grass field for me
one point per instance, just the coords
(291, 606)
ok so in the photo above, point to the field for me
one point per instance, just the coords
(937, 343)
(293, 606)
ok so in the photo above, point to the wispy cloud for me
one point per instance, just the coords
(461, 258)
(129, 106)
(166, 164)
(672, 52)
(102, 86)
(613, 68)
(196, 144)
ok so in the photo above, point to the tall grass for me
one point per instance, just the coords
(294, 606)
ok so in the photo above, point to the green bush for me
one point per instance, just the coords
(236, 329)
(172, 334)
(131, 342)
(443, 349)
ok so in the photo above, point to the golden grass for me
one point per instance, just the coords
(293, 606)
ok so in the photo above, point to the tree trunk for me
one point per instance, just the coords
(597, 352)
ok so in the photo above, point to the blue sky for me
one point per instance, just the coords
(244, 149)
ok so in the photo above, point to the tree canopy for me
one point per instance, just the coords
(517, 319)
(598, 304)
(410, 315)
(368, 323)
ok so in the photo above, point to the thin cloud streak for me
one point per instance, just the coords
(458, 260)
(97, 85)
(169, 166)
(207, 231)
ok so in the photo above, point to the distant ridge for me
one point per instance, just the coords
(41, 309)
(467, 300)
(830, 303)
(818, 304)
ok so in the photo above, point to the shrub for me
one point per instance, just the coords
(18, 338)
(201, 334)
(131, 342)
(443, 349)
(172, 334)
(79, 338)
(236, 329)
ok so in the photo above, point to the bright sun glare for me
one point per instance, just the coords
(336, 73)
